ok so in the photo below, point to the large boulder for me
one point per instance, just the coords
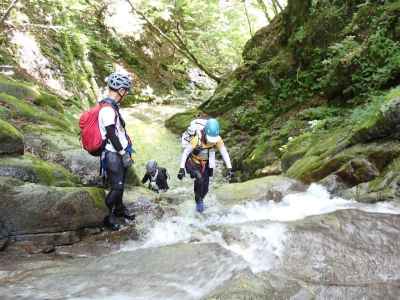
(265, 188)
(347, 254)
(31, 169)
(32, 209)
(12, 141)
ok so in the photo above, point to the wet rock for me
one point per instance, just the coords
(247, 285)
(82, 164)
(333, 184)
(266, 188)
(348, 247)
(153, 273)
(31, 169)
(357, 170)
(274, 169)
(32, 209)
(12, 141)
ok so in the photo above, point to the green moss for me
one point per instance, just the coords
(302, 168)
(17, 89)
(97, 196)
(29, 112)
(45, 99)
(12, 141)
(7, 130)
(39, 171)
(179, 122)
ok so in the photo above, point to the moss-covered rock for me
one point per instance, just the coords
(11, 139)
(257, 189)
(18, 89)
(31, 169)
(30, 113)
(32, 208)
(181, 121)
(45, 99)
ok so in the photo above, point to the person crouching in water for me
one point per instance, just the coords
(157, 177)
(195, 159)
(116, 157)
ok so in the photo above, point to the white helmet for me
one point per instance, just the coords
(118, 81)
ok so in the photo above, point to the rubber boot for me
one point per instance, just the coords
(200, 205)
(110, 222)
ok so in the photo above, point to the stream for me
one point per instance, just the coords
(308, 246)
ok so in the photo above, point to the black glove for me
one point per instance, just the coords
(229, 174)
(181, 173)
(127, 160)
(210, 172)
(196, 151)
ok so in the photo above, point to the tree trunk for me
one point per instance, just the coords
(8, 11)
(184, 51)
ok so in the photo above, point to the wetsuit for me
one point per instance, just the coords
(195, 159)
(112, 128)
(157, 182)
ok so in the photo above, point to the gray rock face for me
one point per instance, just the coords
(182, 271)
(348, 254)
(265, 188)
(82, 164)
(31, 209)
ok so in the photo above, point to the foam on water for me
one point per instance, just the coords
(259, 243)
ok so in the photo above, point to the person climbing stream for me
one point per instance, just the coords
(116, 156)
(196, 160)
(157, 177)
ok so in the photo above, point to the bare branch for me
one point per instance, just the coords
(247, 16)
(8, 11)
(183, 49)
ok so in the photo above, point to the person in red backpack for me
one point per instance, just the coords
(116, 155)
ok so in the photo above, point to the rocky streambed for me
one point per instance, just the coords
(269, 238)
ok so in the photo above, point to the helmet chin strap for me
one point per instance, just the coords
(121, 95)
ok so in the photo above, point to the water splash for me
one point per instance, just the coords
(254, 230)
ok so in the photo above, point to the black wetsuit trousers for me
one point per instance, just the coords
(201, 177)
(116, 174)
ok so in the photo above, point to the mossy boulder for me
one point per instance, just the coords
(18, 89)
(21, 109)
(316, 167)
(31, 169)
(49, 100)
(179, 122)
(32, 208)
(257, 189)
(11, 139)
(384, 123)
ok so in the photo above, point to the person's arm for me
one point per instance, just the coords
(145, 178)
(185, 154)
(225, 155)
(112, 137)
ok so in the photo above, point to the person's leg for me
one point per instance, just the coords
(115, 171)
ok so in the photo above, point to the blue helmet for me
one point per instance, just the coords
(212, 130)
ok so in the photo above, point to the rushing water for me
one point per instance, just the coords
(255, 239)
(188, 255)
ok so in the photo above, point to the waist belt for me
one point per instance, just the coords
(198, 160)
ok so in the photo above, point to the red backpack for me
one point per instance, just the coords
(90, 132)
